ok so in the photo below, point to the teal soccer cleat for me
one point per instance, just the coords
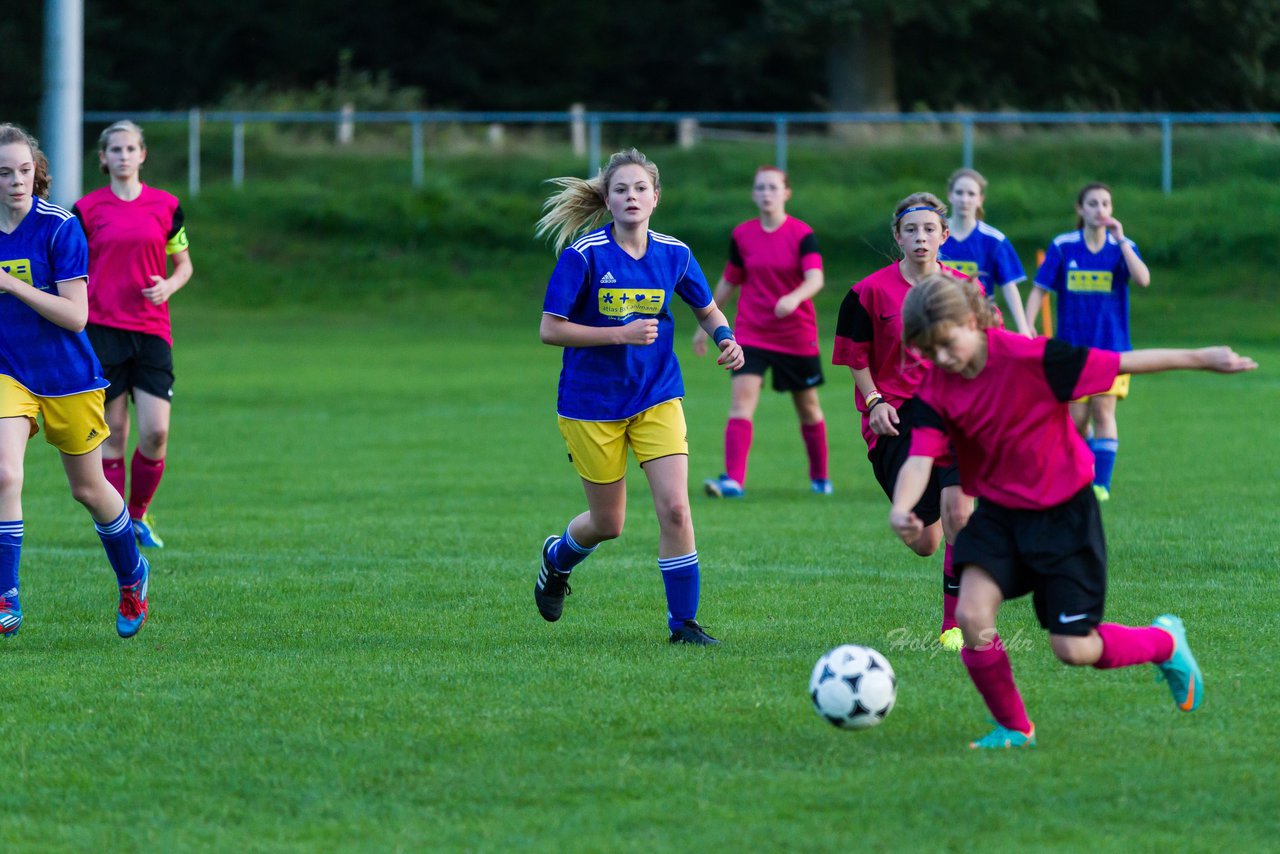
(722, 487)
(1002, 738)
(1181, 671)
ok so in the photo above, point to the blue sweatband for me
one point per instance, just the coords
(929, 208)
(721, 334)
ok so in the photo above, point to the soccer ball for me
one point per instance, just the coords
(853, 687)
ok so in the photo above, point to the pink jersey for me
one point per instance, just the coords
(869, 335)
(1010, 428)
(129, 242)
(767, 265)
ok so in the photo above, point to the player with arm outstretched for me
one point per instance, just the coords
(608, 304)
(997, 403)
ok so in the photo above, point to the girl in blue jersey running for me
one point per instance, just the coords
(608, 304)
(1090, 269)
(976, 249)
(48, 369)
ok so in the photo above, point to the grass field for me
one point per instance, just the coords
(344, 653)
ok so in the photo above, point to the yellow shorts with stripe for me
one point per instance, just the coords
(598, 449)
(1119, 389)
(75, 424)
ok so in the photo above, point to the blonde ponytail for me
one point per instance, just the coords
(579, 205)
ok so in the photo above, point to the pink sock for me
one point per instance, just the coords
(737, 444)
(145, 474)
(950, 590)
(993, 677)
(114, 470)
(1125, 646)
(815, 444)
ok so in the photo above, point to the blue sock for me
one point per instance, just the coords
(1104, 460)
(122, 549)
(10, 554)
(680, 578)
(566, 554)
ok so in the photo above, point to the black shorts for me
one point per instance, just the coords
(790, 373)
(133, 360)
(888, 457)
(1058, 555)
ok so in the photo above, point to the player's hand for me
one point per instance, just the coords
(700, 342)
(159, 291)
(731, 355)
(1224, 360)
(785, 305)
(884, 420)
(1113, 225)
(640, 332)
(906, 525)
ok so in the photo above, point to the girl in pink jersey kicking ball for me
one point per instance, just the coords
(775, 267)
(869, 341)
(998, 403)
(138, 259)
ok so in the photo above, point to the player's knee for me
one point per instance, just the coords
(675, 516)
(1073, 652)
(975, 620)
(10, 477)
(154, 438)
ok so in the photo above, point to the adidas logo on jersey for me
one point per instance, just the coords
(608, 279)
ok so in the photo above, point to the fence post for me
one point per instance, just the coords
(578, 129)
(1166, 155)
(780, 143)
(967, 155)
(193, 152)
(237, 154)
(687, 132)
(415, 136)
(593, 147)
(346, 124)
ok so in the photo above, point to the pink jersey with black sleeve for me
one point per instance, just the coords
(130, 241)
(869, 335)
(768, 265)
(1009, 427)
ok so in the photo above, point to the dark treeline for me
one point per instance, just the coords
(672, 54)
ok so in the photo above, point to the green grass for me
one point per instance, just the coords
(344, 652)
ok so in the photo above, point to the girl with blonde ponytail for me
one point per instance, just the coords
(608, 305)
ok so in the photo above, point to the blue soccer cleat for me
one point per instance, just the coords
(144, 531)
(133, 604)
(1003, 738)
(722, 487)
(1181, 671)
(10, 613)
(821, 486)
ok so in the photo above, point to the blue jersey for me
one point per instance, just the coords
(47, 247)
(985, 253)
(596, 283)
(1092, 289)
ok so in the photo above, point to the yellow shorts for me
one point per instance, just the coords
(598, 449)
(75, 424)
(1120, 389)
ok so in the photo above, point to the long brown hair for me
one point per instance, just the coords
(12, 134)
(941, 300)
(580, 203)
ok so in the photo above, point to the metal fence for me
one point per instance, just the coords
(584, 127)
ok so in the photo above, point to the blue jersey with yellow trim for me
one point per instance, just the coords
(47, 247)
(1092, 289)
(596, 283)
(985, 253)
